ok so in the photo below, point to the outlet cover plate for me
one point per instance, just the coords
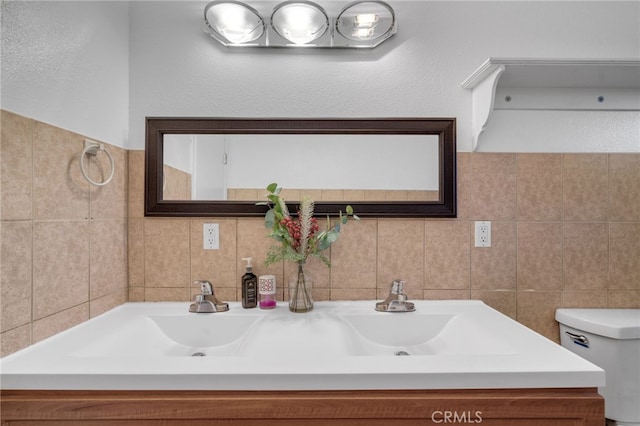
(211, 236)
(483, 233)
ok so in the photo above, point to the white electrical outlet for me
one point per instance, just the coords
(211, 236)
(483, 234)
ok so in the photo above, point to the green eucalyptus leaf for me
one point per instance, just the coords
(328, 239)
(273, 198)
(323, 244)
(349, 210)
(278, 237)
(269, 218)
(272, 187)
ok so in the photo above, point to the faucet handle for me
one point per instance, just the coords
(206, 298)
(397, 287)
(396, 301)
(205, 286)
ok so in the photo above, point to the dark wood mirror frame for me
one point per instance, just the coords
(156, 128)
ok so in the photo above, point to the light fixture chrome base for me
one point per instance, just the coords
(300, 23)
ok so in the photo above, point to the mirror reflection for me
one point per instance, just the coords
(383, 167)
(220, 167)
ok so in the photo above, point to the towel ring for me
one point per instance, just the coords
(92, 148)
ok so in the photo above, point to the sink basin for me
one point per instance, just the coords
(422, 334)
(398, 329)
(394, 333)
(353, 331)
(183, 334)
(204, 335)
(204, 330)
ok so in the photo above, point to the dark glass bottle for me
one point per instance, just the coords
(249, 286)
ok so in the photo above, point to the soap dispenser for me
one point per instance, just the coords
(249, 286)
(267, 291)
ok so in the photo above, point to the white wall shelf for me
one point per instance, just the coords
(552, 84)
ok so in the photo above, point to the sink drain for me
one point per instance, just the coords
(402, 353)
(198, 354)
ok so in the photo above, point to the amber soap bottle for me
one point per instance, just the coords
(249, 286)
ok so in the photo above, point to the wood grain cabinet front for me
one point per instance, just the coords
(495, 407)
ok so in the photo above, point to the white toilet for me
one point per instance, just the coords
(609, 338)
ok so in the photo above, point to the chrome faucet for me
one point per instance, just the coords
(206, 301)
(396, 301)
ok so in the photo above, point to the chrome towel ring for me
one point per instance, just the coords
(92, 148)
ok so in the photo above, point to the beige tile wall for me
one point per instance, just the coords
(176, 185)
(64, 250)
(292, 194)
(566, 233)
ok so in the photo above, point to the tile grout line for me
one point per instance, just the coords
(31, 137)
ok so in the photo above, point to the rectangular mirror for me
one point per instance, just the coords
(236, 167)
(220, 167)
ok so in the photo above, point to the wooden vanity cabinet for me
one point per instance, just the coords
(506, 407)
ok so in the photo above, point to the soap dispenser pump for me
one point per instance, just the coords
(249, 286)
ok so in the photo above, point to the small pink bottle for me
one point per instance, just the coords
(267, 291)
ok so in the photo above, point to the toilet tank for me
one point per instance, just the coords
(609, 338)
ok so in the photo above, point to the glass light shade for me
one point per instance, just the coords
(366, 20)
(235, 22)
(300, 22)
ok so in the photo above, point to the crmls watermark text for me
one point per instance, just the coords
(456, 417)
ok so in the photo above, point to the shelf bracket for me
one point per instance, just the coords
(482, 101)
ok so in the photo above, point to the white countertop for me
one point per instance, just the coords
(339, 345)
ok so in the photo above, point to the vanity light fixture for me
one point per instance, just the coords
(233, 23)
(366, 21)
(300, 22)
(295, 23)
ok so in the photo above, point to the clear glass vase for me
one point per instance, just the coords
(300, 287)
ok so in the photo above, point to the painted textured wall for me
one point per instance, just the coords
(67, 64)
(177, 69)
(98, 68)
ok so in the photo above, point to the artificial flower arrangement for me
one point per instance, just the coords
(299, 238)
